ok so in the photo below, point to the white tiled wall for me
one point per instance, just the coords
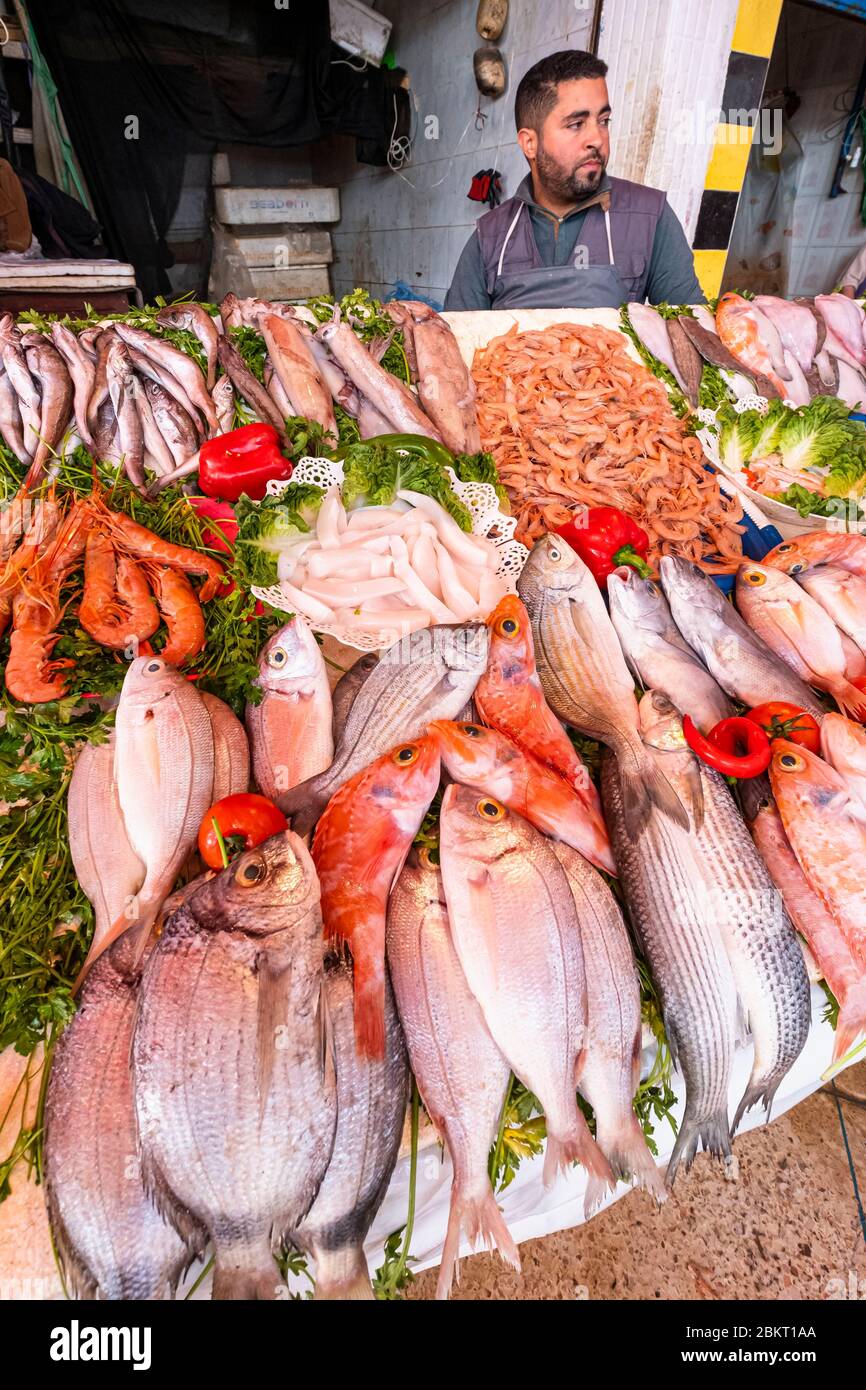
(662, 54)
(820, 56)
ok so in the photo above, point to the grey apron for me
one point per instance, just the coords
(560, 286)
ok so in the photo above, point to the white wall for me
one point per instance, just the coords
(664, 56)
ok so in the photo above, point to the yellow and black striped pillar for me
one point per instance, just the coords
(751, 46)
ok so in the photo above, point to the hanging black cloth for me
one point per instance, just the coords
(145, 82)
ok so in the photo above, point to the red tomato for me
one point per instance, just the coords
(778, 719)
(245, 814)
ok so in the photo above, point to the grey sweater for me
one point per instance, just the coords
(670, 277)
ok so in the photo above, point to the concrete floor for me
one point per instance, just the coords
(786, 1227)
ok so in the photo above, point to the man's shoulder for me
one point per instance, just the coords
(636, 197)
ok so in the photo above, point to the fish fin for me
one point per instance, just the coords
(272, 979)
(763, 1089)
(193, 1235)
(136, 929)
(370, 1016)
(644, 786)
(630, 1159)
(851, 1022)
(696, 792)
(342, 1276)
(481, 1219)
(850, 700)
(229, 1284)
(713, 1132)
(325, 1031)
(576, 1147)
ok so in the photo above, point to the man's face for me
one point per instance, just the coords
(570, 154)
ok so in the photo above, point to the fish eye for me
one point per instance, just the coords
(405, 755)
(489, 809)
(251, 871)
(797, 567)
(153, 666)
(791, 762)
(554, 553)
(755, 578)
(507, 627)
(472, 731)
(783, 549)
(278, 657)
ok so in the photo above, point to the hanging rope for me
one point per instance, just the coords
(857, 1198)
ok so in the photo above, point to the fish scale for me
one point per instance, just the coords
(661, 879)
(430, 675)
(766, 959)
(111, 1240)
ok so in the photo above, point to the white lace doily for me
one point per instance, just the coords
(482, 503)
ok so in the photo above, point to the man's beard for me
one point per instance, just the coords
(569, 185)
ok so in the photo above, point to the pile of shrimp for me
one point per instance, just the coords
(132, 581)
(572, 420)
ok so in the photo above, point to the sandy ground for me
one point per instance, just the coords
(785, 1227)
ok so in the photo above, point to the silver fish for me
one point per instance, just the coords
(154, 370)
(156, 452)
(371, 1108)
(231, 769)
(112, 1241)
(197, 321)
(740, 661)
(249, 387)
(18, 371)
(223, 397)
(584, 675)
(164, 769)
(182, 368)
(515, 931)
(611, 1072)
(122, 387)
(428, 675)
(241, 1140)
(82, 371)
(656, 652)
(48, 369)
(172, 421)
(347, 687)
(390, 397)
(107, 868)
(461, 1074)
(290, 729)
(669, 898)
(10, 419)
(756, 931)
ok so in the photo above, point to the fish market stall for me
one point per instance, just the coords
(375, 682)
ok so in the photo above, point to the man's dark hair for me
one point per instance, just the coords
(536, 94)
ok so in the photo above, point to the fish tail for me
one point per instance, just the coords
(342, 1275)
(850, 700)
(481, 1219)
(851, 1022)
(643, 787)
(761, 1089)
(233, 1283)
(625, 1149)
(369, 1016)
(577, 1146)
(713, 1132)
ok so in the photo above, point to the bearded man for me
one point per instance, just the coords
(572, 236)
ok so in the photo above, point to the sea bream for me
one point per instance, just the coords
(461, 1074)
(112, 1241)
(842, 594)
(657, 653)
(231, 772)
(371, 1109)
(584, 675)
(515, 931)
(843, 746)
(290, 728)
(741, 662)
(429, 675)
(669, 893)
(235, 1089)
(164, 770)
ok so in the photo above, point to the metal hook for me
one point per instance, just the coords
(480, 116)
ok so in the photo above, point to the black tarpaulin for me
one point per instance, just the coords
(144, 82)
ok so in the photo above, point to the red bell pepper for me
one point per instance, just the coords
(251, 817)
(242, 461)
(604, 538)
(721, 749)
